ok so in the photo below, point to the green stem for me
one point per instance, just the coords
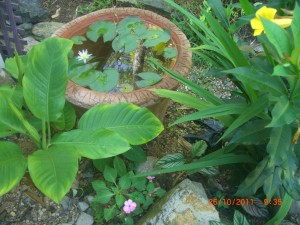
(44, 135)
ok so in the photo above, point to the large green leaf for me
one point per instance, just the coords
(283, 113)
(137, 125)
(260, 81)
(45, 78)
(93, 144)
(278, 37)
(68, 118)
(101, 28)
(53, 170)
(9, 123)
(12, 166)
(296, 26)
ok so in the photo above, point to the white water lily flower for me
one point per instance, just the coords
(83, 55)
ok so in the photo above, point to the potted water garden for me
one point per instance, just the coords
(109, 60)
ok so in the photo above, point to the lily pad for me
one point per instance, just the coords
(87, 78)
(78, 40)
(103, 28)
(77, 68)
(170, 52)
(131, 24)
(149, 78)
(154, 37)
(126, 87)
(127, 41)
(106, 81)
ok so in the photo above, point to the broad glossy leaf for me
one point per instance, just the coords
(278, 37)
(12, 166)
(106, 81)
(45, 78)
(93, 144)
(53, 170)
(128, 42)
(101, 28)
(131, 24)
(170, 160)
(239, 218)
(170, 52)
(78, 40)
(296, 26)
(149, 78)
(68, 118)
(154, 37)
(283, 113)
(137, 125)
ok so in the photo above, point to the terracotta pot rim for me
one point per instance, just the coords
(86, 98)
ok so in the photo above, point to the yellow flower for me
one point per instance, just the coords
(269, 14)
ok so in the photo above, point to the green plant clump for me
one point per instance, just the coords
(36, 107)
(132, 41)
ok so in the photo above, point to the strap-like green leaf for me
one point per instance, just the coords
(12, 166)
(45, 78)
(137, 125)
(53, 170)
(219, 12)
(296, 26)
(94, 144)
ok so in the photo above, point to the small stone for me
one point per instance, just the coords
(84, 219)
(66, 203)
(13, 214)
(295, 208)
(90, 212)
(147, 166)
(30, 43)
(90, 198)
(83, 206)
(45, 29)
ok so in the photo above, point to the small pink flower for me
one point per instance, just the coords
(150, 178)
(129, 206)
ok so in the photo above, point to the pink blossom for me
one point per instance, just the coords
(129, 206)
(150, 178)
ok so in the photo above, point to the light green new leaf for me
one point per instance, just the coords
(296, 26)
(137, 125)
(12, 166)
(53, 171)
(106, 81)
(45, 78)
(278, 37)
(101, 28)
(283, 113)
(94, 144)
(68, 118)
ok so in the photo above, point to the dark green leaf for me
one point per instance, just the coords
(68, 118)
(150, 187)
(219, 12)
(125, 182)
(136, 154)
(239, 218)
(137, 197)
(273, 182)
(120, 166)
(160, 192)
(139, 183)
(256, 208)
(99, 185)
(120, 199)
(103, 196)
(110, 213)
(101, 163)
(110, 174)
(148, 202)
(199, 148)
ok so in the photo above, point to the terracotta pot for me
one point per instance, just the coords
(86, 98)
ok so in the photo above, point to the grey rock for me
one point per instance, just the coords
(186, 203)
(90, 198)
(295, 208)
(27, 27)
(5, 78)
(31, 11)
(30, 43)
(65, 224)
(83, 206)
(147, 166)
(43, 30)
(84, 219)
(66, 203)
(90, 212)
(286, 222)
(1, 62)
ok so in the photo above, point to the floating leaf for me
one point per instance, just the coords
(149, 78)
(103, 28)
(127, 41)
(87, 78)
(106, 81)
(131, 24)
(154, 37)
(170, 52)
(171, 160)
(78, 40)
(126, 87)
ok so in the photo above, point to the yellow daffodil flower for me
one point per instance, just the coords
(269, 14)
